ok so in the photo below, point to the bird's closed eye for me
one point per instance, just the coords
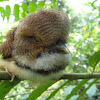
(35, 39)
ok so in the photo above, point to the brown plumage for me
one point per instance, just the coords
(6, 47)
(37, 46)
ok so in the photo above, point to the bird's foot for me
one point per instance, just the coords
(12, 76)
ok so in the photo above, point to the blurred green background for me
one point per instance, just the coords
(84, 45)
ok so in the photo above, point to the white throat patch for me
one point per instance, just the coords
(46, 61)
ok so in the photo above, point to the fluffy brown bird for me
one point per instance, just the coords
(35, 49)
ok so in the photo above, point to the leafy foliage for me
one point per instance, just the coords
(84, 46)
(6, 86)
(16, 12)
(24, 10)
(32, 7)
(94, 59)
(76, 89)
(39, 91)
(55, 91)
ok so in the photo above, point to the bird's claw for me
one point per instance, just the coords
(12, 76)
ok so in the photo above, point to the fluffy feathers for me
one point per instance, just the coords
(35, 46)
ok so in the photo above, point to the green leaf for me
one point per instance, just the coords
(40, 5)
(3, 12)
(94, 59)
(3, 0)
(36, 93)
(24, 8)
(76, 89)
(16, 12)
(93, 4)
(32, 7)
(1, 9)
(6, 86)
(84, 91)
(8, 11)
(54, 2)
(55, 91)
(23, 14)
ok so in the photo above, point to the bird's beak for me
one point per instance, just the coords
(61, 48)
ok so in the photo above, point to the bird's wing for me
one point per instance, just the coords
(7, 46)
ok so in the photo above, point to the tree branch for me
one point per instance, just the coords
(73, 76)
(4, 75)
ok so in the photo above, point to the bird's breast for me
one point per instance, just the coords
(47, 65)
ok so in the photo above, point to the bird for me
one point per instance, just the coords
(36, 49)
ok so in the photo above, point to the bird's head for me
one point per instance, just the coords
(39, 43)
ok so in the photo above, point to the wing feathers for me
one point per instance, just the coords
(7, 46)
